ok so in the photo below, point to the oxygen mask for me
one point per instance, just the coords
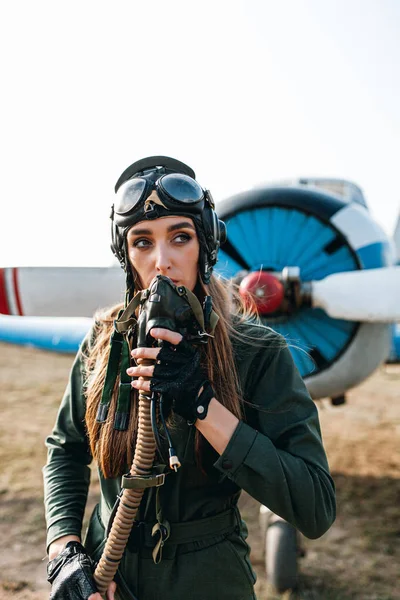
(164, 304)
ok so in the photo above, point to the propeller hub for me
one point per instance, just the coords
(265, 289)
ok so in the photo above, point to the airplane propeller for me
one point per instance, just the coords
(368, 295)
(371, 295)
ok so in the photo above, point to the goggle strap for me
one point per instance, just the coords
(209, 198)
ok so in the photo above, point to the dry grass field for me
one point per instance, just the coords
(359, 558)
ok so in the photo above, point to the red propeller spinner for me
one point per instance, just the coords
(265, 289)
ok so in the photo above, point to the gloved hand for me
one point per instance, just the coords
(179, 377)
(71, 574)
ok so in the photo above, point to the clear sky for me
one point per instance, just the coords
(243, 91)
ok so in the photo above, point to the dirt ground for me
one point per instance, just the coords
(358, 558)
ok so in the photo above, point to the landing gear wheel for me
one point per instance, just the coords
(281, 556)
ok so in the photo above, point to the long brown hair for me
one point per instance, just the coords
(114, 449)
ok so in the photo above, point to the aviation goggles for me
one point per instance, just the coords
(175, 190)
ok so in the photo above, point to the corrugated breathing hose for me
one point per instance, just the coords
(130, 499)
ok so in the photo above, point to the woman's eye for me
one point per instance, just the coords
(141, 243)
(182, 238)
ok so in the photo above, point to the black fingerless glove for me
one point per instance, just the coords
(71, 574)
(179, 377)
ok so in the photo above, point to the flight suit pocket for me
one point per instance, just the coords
(241, 552)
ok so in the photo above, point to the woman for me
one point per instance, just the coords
(238, 413)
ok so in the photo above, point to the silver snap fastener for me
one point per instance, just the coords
(200, 409)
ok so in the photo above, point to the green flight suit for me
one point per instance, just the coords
(276, 455)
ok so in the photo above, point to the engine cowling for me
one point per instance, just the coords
(276, 230)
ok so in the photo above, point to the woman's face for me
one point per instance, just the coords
(166, 246)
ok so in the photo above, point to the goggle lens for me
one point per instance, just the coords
(130, 196)
(181, 188)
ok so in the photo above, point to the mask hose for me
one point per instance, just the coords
(130, 499)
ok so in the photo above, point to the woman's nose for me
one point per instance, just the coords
(163, 261)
